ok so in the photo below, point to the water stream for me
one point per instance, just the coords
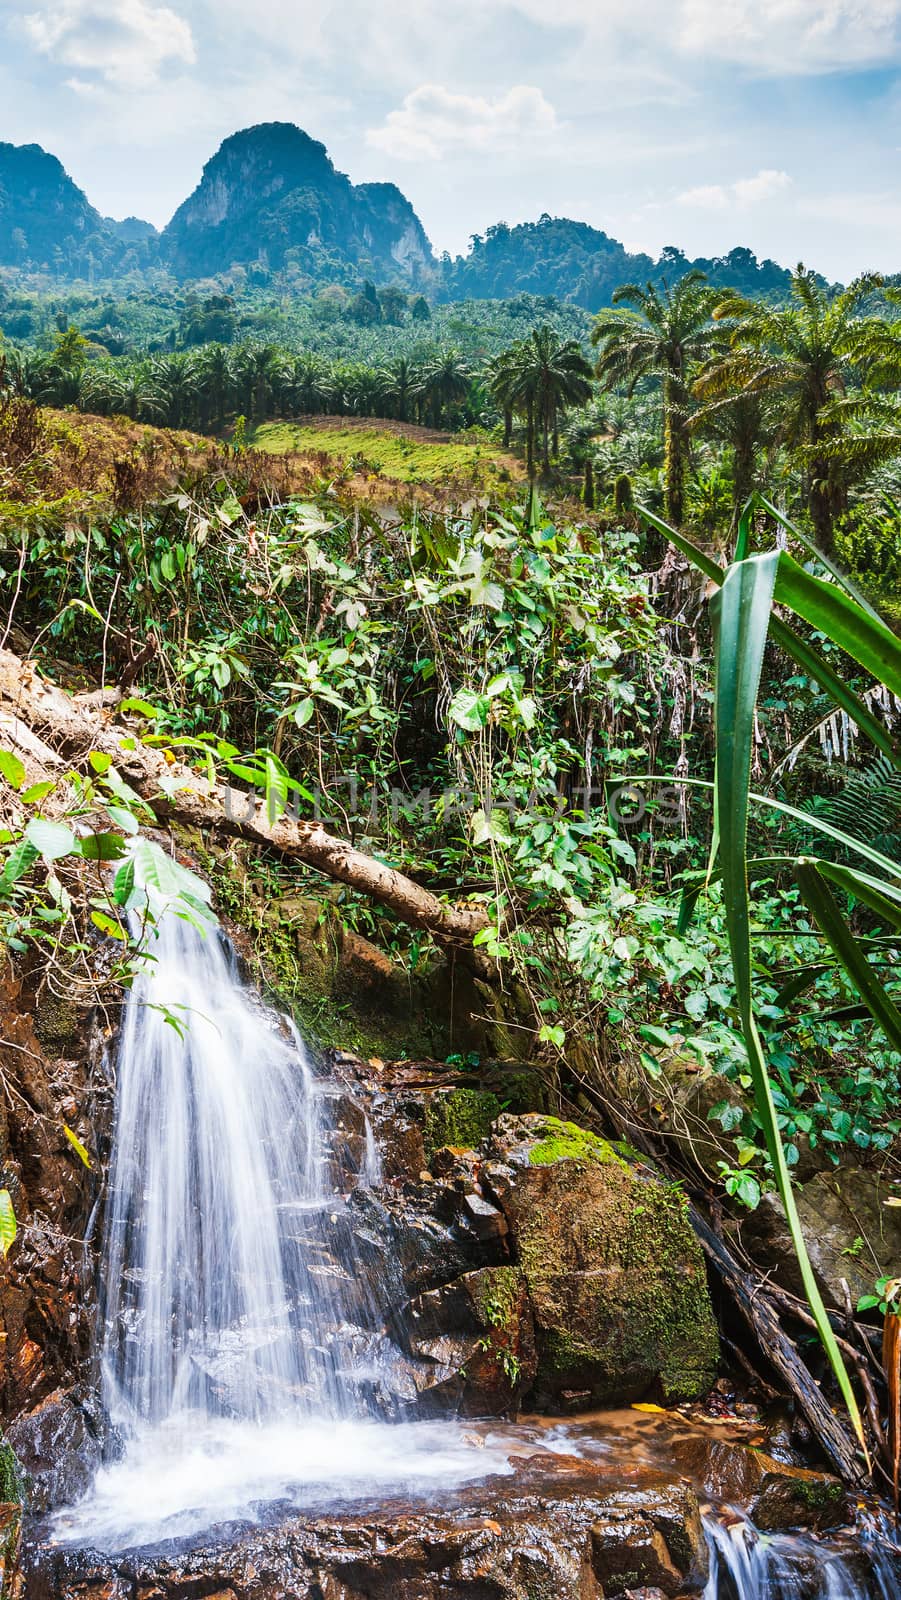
(238, 1352)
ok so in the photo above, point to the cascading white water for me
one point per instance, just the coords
(748, 1565)
(228, 1352)
(213, 1146)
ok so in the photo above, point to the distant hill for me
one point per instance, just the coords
(46, 221)
(576, 262)
(270, 200)
(271, 195)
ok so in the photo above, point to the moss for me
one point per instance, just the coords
(10, 1476)
(566, 1141)
(459, 1117)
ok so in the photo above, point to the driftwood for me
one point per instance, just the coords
(750, 1298)
(74, 725)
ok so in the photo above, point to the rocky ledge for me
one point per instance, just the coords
(559, 1527)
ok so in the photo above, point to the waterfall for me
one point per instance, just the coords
(239, 1346)
(211, 1305)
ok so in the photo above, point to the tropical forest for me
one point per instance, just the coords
(450, 892)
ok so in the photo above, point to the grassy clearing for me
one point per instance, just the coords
(383, 452)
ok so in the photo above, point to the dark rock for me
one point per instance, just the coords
(485, 1219)
(478, 1332)
(792, 1497)
(58, 1446)
(615, 1275)
(548, 1533)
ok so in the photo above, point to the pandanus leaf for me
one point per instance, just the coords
(742, 619)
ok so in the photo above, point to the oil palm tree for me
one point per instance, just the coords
(540, 378)
(445, 383)
(806, 356)
(744, 424)
(217, 384)
(401, 384)
(666, 334)
(310, 385)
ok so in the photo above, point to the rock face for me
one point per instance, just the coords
(851, 1234)
(50, 1050)
(559, 1528)
(271, 194)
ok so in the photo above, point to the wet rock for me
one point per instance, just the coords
(59, 1447)
(792, 1497)
(851, 1234)
(547, 1533)
(615, 1275)
(479, 1335)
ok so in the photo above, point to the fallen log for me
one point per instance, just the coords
(74, 725)
(751, 1300)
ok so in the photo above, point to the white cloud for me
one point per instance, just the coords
(792, 36)
(125, 43)
(433, 122)
(739, 195)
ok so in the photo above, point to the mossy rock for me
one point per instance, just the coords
(616, 1276)
(459, 1117)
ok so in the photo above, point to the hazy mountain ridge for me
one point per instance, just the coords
(271, 199)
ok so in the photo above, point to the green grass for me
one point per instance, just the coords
(379, 453)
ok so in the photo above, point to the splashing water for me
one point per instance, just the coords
(748, 1565)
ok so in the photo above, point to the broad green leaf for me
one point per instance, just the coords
(50, 839)
(124, 884)
(807, 657)
(742, 618)
(100, 761)
(13, 770)
(828, 609)
(8, 1229)
(108, 925)
(469, 710)
(37, 792)
(102, 846)
(77, 1146)
(20, 861)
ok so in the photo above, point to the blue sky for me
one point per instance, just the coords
(702, 123)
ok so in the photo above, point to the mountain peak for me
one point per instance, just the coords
(271, 194)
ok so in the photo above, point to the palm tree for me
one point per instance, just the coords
(806, 356)
(539, 378)
(258, 369)
(744, 424)
(126, 390)
(177, 378)
(401, 383)
(445, 383)
(216, 384)
(665, 334)
(310, 385)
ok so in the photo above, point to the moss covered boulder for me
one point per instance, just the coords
(615, 1275)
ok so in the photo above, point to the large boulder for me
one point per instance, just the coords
(615, 1275)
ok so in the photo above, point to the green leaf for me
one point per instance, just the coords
(100, 761)
(469, 710)
(821, 904)
(8, 1228)
(828, 609)
(37, 792)
(742, 618)
(551, 1034)
(303, 712)
(77, 1146)
(50, 839)
(108, 925)
(124, 884)
(13, 770)
(102, 846)
(20, 861)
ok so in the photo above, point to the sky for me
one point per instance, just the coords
(700, 123)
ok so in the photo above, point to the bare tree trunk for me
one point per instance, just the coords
(74, 725)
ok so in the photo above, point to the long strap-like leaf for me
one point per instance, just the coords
(820, 902)
(742, 617)
(810, 660)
